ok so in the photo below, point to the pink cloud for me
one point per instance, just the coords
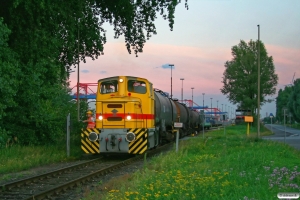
(286, 61)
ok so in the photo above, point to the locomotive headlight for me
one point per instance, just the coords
(130, 136)
(93, 136)
(128, 117)
(121, 80)
(100, 117)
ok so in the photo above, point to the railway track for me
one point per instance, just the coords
(53, 184)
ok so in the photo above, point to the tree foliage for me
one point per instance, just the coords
(9, 75)
(289, 98)
(294, 101)
(40, 40)
(282, 101)
(240, 75)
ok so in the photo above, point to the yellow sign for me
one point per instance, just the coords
(248, 119)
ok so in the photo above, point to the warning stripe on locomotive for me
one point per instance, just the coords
(86, 145)
(140, 144)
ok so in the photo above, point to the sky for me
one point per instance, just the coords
(200, 44)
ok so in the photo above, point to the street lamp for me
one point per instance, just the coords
(211, 106)
(271, 124)
(258, 86)
(284, 110)
(217, 104)
(78, 104)
(203, 118)
(222, 113)
(182, 89)
(192, 97)
(225, 112)
(171, 65)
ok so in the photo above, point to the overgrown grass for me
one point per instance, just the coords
(17, 158)
(230, 166)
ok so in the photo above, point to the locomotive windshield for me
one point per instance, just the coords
(137, 86)
(109, 86)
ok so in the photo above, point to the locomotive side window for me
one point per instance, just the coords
(137, 86)
(151, 90)
(109, 87)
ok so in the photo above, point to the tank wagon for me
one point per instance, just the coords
(133, 117)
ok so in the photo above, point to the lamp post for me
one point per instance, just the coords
(78, 104)
(182, 89)
(271, 124)
(217, 104)
(192, 96)
(171, 65)
(211, 106)
(258, 86)
(203, 117)
(225, 112)
(222, 113)
(284, 110)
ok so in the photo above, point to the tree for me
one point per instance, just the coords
(282, 101)
(294, 100)
(240, 75)
(8, 79)
(49, 37)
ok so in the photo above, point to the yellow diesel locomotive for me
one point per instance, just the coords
(132, 117)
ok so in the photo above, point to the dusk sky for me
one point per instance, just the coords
(201, 43)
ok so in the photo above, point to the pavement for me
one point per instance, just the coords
(284, 134)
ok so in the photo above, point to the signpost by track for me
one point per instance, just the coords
(177, 125)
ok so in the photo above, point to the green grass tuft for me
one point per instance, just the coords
(17, 158)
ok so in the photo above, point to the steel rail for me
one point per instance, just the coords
(26, 181)
(69, 185)
(57, 190)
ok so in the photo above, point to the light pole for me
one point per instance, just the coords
(192, 96)
(225, 112)
(222, 113)
(284, 109)
(182, 90)
(211, 107)
(271, 124)
(171, 65)
(258, 87)
(78, 104)
(203, 118)
(217, 104)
